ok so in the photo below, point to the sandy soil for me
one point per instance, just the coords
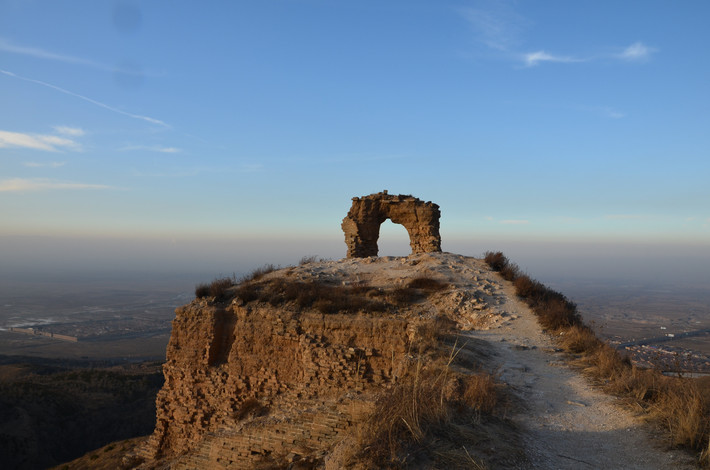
(567, 423)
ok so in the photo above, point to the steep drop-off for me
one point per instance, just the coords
(263, 379)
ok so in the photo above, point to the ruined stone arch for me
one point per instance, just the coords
(362, 224)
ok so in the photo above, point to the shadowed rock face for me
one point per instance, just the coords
(362, 224)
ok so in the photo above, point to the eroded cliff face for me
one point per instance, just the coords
(221, 356)
(249, 383)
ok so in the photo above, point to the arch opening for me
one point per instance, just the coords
(393, 240)
(362, 224)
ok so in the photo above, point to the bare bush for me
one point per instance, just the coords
(427, 284)
(217, 289)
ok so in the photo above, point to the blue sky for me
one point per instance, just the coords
(559, 121)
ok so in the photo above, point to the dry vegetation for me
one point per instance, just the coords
(439, 415)
(679, 405)
(312, 294)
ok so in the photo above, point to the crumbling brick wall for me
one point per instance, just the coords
(221, 355)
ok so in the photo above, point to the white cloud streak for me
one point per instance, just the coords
(38, 53)
(20, 185)
(71, 131)
(49, 143)
(498, 28)
(94, 102)
(534, 58)
(7, 46)
(44, 165)
(636, 52)
(154, 148)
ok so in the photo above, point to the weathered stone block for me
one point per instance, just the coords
(362, 224)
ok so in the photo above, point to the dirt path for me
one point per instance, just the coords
(568, 423)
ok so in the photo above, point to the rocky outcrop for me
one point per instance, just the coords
(265, 383)
(362, 224)
(227, 362)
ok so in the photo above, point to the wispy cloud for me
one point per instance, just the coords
(514, 222)
(534, 58)
(637, 51)
(39, 53)
(150, 148)
(613, 113)
(47, 142)
(82, 97)
(66, 130)
(44, 165)
(42, 184)
(499, 27)
(604, 111)
(7, 46)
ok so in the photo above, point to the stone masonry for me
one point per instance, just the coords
(306, 368)
(362, 224)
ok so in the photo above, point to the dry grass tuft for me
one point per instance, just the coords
(217, 289)
(322, 297)
(427, 284)
(580, 339)
(482, 393)
(258, 273)
(329, 299)
(432, 418)
(438, 416)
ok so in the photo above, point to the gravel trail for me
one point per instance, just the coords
(568, 423)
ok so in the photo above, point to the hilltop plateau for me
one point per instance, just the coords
(426, 361)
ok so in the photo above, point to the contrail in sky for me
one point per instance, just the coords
(97, 103)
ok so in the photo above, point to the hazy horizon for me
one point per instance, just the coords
(46, 258)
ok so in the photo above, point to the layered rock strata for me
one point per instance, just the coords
(306, 366)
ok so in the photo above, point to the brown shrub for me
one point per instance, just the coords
(258, 273)
(219, 289)
(556, 313)
(496, 260)
(580, 339)
(404, 295)
(526, 287)
(428, 284)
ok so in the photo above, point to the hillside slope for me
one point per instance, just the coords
(294, 369)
